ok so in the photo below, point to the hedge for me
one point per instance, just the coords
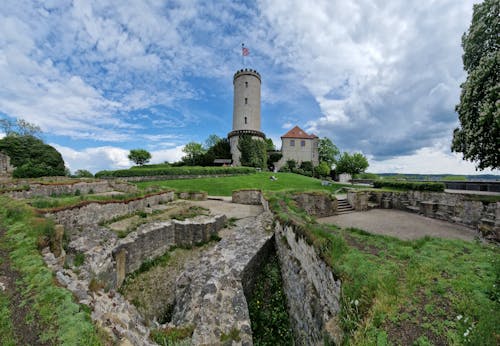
(407, 185)
(183, 170)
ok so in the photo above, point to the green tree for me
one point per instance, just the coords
(352, 164)
(20, 127)
(139, 156)
(194, 153)
(270, 144)
(323, 169)
(477, 138)
(31, 156)
(253, 152)
(220, 150)
(212, 140)
(327, 151)
(83, 173)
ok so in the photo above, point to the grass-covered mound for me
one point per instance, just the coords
(58, 319)
(225, 186)
(422, 292)
(164, 169)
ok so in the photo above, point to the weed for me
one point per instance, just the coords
(95, 285)
(79, 259)
(233, 335)
(171, 335)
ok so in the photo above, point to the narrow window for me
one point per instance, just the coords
(246, 84)
(302, 143)
(245, 120)
(246, 100)
(292, 142)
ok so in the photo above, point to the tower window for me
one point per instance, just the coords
(245, 120)
(292, 142)
(246, 100)
(246, 84)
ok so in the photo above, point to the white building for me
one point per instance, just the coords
(299, 146)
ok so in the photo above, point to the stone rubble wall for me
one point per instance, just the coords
(312, 292)
(210, 293)
(154, 239)
(252, 197)
(451, 207)
(47, 190)
(88, 215)
(316, 204)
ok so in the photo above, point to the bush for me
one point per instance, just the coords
(406, 185)
(169, 170)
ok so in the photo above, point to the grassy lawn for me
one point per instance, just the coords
(424, 292)
(224, 186)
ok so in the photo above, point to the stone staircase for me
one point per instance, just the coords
(344, 207)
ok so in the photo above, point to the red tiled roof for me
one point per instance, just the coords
(297, 132)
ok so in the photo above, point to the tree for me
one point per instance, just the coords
(270, 144)
(31, 156)
(211, 141)
(83, 173)
(478, 110)
(323, 169)
(20, 127)
(220, 150)
(139, 156)
(327, 151)
(352, 164)
(194, 153)
(253, 152)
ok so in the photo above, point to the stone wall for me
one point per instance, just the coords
(6, 168)
(46, 190)
(154, 239)
(313, 294)
(465, 209)
(316, 204)
(253, 197)
(91, 214)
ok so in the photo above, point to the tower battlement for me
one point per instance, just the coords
(246, 71)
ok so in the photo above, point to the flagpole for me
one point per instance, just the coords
(242, 55)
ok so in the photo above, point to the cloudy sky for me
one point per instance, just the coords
(103, 77)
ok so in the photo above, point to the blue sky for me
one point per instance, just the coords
(103, 77)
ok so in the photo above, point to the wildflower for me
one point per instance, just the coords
(459, 317)
(356, 302)
(466, 333)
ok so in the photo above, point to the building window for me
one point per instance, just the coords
(246, 84)
(245, 120)
(302, 143)
(292, 142)
(246, 100)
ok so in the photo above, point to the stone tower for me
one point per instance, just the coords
(246, 109)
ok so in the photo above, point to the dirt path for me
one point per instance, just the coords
(400, 224)
(25, 334)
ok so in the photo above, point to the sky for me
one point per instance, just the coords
(100, 78)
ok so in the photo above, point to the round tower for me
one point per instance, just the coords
(246, 109)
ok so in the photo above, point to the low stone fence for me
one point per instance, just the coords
(154, 239)
(312, 292)
(252, 197)
(93, 213)
(465, 209)
(82, 187)
(193, 195)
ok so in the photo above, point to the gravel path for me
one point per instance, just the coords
(400, 224)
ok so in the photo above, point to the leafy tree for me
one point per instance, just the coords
(253, 152)
(352, 164)
(307, 166)
(220, 150)
(291, 164)
(83, 173)
(323, 169)
(31, 156)
(139, 156)
(212, 140)
(327, 151)
(478, 110)
(194, 153)
(270, 144)
(275, 157)
(20, 127)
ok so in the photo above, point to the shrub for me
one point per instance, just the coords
(170, 170)
(406, 185)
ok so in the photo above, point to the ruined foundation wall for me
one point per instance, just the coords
(313, 294)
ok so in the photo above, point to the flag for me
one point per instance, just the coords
(245, 51)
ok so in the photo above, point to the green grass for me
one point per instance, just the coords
(224, 186)
(64, 322)
(7, 336)
(428, 290)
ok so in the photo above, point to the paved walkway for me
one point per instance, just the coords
(400, 224)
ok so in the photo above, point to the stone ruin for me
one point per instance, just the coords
(6, 169)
